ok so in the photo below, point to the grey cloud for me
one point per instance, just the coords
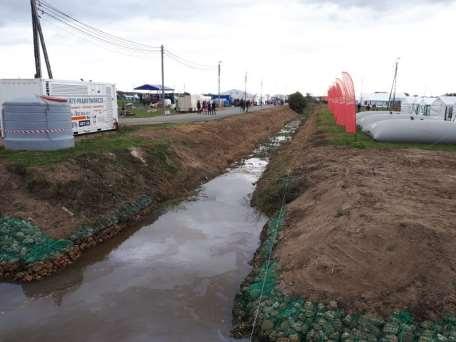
(111, 10)
(379, 4)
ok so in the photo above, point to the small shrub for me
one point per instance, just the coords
(297, 102)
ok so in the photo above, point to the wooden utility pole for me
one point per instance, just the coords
(43, 46)
(36, 44)
(245, 90)
(163, 78)
(219, 77)
(261, 97)
(37, 38)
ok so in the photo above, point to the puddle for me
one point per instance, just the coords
(172, 280)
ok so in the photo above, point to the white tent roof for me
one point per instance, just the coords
(448, 100)
(427, 100)
(382, 97)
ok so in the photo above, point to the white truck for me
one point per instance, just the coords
(93, 105)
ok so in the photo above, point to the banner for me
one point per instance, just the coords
(342, 102)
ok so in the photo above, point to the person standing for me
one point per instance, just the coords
(198, 106)
(214, 108)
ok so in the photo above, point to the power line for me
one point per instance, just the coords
(101, 36)
(189, 63)
(93, 30)
(93, 36)
(107, 47)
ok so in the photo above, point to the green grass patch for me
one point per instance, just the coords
(143, 112)
(336, 135)
(103, 143)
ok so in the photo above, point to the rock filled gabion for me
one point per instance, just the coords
(22, 242)
(123, 215)
(286, 319)
(26, 254)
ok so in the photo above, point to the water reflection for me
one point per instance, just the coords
(172, 280)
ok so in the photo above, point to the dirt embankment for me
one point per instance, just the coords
(166, 163)
(372, 229)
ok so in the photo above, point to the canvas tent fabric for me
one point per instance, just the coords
(152, 87)
(444, 107)
(381, 99)
(409, 105)
(415, 105)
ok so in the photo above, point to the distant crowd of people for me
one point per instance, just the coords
(244, 105)
(367, 107)
(206, 108)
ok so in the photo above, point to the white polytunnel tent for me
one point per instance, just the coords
(444, 107)
(410, 104)
(425, 105)
(381, 99)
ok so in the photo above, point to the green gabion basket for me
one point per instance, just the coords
(21, 241)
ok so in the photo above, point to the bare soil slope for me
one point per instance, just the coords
(166, 163)
(372, 229)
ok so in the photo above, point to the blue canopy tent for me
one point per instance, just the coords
(153, 94)
(153, 87)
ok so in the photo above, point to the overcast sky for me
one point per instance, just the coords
(290, 44)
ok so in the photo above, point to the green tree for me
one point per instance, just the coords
(297, 102)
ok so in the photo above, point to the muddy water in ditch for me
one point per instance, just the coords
(172, 280)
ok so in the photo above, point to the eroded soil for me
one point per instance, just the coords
(372, 229)
(60, 198)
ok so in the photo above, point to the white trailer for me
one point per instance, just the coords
(93, 105)
(188, 103)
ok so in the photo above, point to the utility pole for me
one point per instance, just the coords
(219, 77)
(163, 78)
(261, 98)
(37, 38)
(245, 90)
(36, 46)
(392, 97)
(43, 46)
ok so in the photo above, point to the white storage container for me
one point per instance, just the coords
(37, 124)
(93, 105)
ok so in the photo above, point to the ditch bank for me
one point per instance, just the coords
(55, 206)
(358, 249)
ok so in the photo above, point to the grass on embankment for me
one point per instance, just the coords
(336, 135)
(283, 176)
(140, 111)
(123, 139)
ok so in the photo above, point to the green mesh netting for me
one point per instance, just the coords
(121, 215)
(21, 241)
(298, 319)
